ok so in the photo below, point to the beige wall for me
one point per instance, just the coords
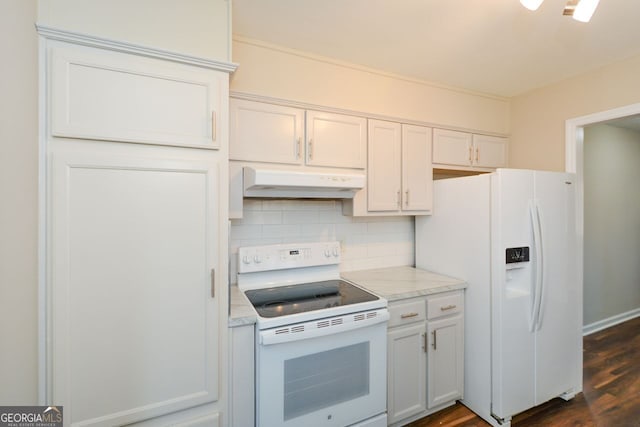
(194, 27)
(280, 73)
(611, 222)
(18, 203)
(538, 117)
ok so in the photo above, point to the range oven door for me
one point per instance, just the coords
(331, 372)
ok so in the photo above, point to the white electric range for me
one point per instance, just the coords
(320, 341)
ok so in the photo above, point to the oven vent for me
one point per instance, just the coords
(323, 324)
(358, 317)
(292, 330)
(372, 314)
(336, 322)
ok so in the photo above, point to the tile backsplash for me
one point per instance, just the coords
(366, 242)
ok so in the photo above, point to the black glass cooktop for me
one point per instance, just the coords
(293, 299)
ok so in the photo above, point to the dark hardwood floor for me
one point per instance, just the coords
(610, 397)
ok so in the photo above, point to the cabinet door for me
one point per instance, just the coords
(264, 132)
(407, 380)
(242, 376)
(489, 151)
(417, 171)
(445, 360)
(336, 140)
(383, 174)
(106, 95)
(133, 238)
(452, 147)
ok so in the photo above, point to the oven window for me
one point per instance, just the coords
(321, 380)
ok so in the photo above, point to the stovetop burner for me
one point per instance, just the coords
(292, 299)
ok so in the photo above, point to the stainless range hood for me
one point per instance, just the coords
(300, 184)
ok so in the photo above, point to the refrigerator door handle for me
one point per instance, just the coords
(541, 263)
(537, 289)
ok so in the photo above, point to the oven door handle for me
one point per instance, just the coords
(322, 327)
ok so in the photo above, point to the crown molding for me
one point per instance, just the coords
(125, 47)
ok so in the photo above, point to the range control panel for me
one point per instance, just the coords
(284, 256)
(516, 255)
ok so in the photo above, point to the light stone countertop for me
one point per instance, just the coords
(393, 283)
(241, 312)
(396, 283)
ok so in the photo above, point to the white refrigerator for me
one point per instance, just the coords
(512, 236)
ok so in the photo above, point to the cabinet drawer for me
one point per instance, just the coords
(407, 312)
(444, 304)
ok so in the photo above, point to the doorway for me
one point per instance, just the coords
(575, 157)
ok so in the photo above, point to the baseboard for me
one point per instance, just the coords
(610, 321)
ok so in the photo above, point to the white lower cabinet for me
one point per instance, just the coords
(407, 383)
(242, 385)
(425, 354)
(134, 259)
(445, 380)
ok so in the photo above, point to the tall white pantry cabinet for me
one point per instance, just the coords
(134, 151)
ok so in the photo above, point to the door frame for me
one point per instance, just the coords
(574, 163)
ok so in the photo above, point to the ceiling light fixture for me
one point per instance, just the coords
(580, 10)
(531, 4)
(584, 10)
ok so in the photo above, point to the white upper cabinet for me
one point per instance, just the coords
(270, 133)
(417, 171)
(385, 166)
(115, 96)
(464, 150)
(399, 172)
(264, 132)
(336, 140)
(452, 147)
(489, 151)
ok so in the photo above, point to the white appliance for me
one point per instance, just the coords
(267, 182)
(320, 341)
(512, 236)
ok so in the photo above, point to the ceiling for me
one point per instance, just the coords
(631, 123)
(491, 46)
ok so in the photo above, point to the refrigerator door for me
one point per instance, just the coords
(513, 294)
(558, 332)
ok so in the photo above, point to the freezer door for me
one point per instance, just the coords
(558, 330)
(513, 338)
